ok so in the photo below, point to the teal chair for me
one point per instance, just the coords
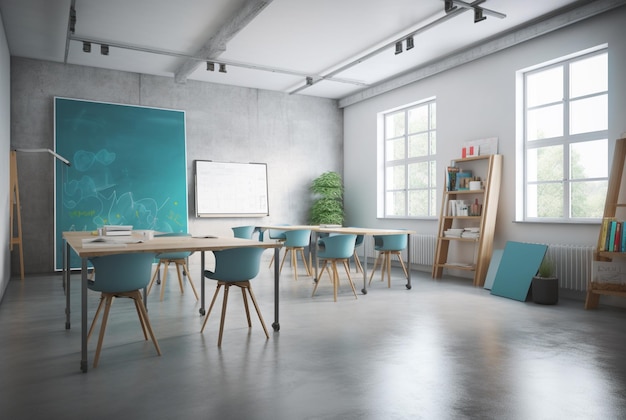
(387, 246)
(296, 241)
(334, 249)
(235, 267)
(244, 232)
(277, 235)
(121, 275)
(180, 261)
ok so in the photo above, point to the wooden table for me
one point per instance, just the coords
(74, 241)
(366, 232)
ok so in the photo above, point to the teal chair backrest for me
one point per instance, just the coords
(396, 242)
(336, 246)
(121, 272)
(173, 255)
(244, 232)
(277, 234)
(297, 238)
(236, 264)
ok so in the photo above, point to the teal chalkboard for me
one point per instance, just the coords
(128, 167)
(518, 264)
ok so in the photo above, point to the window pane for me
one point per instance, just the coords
(433, 174)
(589, 159)
(418, 203)
(433, 202)
(545, 200)
(544, 87)
(589, 76)
(418, 119)
(588, 199)
(544, 123)
(418, 145)
(545, 164)
(395, 149)
(587, 115)
(433, 116)
(418, 175)
(395, 203)
(395, 178)
(394, 125)
(433, 142)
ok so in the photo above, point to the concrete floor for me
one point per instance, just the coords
(443, 350)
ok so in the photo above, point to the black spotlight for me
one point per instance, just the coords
(409, 43)
(478, 15)
(449, 6)
(222, 68)
(104, 49)
(398, 47)
(86, 46)
(210, 66)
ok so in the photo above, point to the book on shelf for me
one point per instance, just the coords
(612, 235)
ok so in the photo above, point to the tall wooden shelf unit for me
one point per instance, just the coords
(614, 200)
(486, 222)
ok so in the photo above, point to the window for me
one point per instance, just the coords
(565, 140)
(410, 170)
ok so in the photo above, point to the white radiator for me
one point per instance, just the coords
(572, 265)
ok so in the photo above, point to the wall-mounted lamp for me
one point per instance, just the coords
(398, 47)
(222, 68)
(86, 46)
(104, 49)
(210, 66)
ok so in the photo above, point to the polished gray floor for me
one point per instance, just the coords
(443, 350)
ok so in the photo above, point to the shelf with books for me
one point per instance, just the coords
(473, 208)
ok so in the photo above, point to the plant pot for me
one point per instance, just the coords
(545, 290)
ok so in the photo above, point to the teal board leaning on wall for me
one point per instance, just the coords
(128, 167)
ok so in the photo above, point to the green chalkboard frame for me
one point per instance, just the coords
(128, 167)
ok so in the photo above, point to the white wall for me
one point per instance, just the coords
(477, 100)
(5, 141)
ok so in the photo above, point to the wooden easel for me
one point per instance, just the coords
(16, 211)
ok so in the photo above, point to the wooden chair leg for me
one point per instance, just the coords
(258, 311)
(103, 326)
(206, 318)
(180, 277)
(195, 292)
(154, 276)
(166, 266)
(406, 273)
(95, 317)
(245, 304)
(347, 268)
(143, 318)
(140, 316)
(224, 303)
(357, 262)
(335, 279)
(375, 265)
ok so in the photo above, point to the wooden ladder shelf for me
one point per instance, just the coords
(612, 204)
(16, 218)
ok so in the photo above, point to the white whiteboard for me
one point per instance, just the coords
(231, 189)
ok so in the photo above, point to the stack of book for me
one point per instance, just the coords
(612, 235)
(453, 233)
(471, 233)
(118, 230)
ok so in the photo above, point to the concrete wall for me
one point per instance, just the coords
(5, 140)
(299, 137)
(474, 101)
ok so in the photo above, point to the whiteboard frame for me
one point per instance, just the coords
(233, 167)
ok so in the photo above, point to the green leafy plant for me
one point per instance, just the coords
(328, 203)
(546, 268)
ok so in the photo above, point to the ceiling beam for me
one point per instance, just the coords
(534, 30)
(216, 45)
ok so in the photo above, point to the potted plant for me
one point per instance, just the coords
(327, 206)
(545, 284)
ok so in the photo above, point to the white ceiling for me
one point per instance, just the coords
(276, 48)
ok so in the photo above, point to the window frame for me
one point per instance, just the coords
(430, 158)
(565, 140)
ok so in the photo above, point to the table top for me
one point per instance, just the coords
(158, 244)
(340, 229)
